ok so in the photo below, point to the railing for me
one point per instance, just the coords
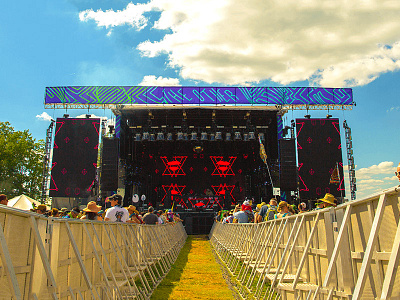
(52, 258)
(348, 252)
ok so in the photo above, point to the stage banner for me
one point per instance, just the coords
(74, 163)
(153, 95)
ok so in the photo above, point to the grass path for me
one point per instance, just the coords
(195, 275)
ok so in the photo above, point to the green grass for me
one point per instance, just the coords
(195, 275)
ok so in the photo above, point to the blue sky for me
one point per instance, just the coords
(208, 42)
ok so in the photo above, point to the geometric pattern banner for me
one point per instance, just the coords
(198, 95)
(319, 152)
(74, 164)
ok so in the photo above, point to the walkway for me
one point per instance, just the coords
(195, 274)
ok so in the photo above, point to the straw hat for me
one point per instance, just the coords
(328, 198)
(132, 208)
(92, 207)
(41, 207)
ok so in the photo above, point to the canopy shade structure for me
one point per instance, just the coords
(23, 202)
(116, 96)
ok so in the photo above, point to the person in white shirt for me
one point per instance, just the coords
(116, 213)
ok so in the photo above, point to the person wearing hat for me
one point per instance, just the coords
(116, 213)
(283, 210)
(302, 207)
(91, 212)
(133, 215)
(150, 218)
(398, 172)
(3, 199)
(41, 209)
(328, 201)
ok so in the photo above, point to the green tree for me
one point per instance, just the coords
(21, 162)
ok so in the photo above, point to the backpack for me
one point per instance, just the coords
(250, 216)
(272, 210)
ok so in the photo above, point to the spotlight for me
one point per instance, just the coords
(152, 137)
(238, 136)
(66, 116)
(198, 149)
(145, 136)
(137, 137)
(160, 136)
(212, 137)
(252, 136)
(204, 136)
(328, 116)
(261, 136)
(246, 137)
(193, 136)
(169, 136)
(218, 136)
(185, 136)
(179, 136)
(88, 116)
(228, 136)
(307, 116)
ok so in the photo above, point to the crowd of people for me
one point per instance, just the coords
(116, 213)
(262, 212)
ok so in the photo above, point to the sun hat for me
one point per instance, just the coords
(92, 207)
(41, 207)
(246, 203)
(328, 198)
(132, 208)
(114, 197)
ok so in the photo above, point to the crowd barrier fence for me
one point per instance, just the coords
(54, 258)
(348, 252)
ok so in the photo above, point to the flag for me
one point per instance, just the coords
(335, 176)
(263, 155)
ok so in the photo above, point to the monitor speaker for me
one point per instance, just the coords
(109, 166)
(288, 168)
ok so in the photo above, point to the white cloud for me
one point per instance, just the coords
(151, 80)
(44, 116)
(330, 43)
(394, 108)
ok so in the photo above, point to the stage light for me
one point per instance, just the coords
(137, 137)
(145, 136)
(238, 136)
(218, 136)
(88, 116)
(169, 136)
(307, 116)
(198, 149)
(193, 136)
(246, 137)
(328, 116)
(179, 136)
(185, 136)
(66, 116)
(160, 136)
(252, 136)
(152, 137)
(228, 136)
(204, 136)
(261, 136)
(212, 137)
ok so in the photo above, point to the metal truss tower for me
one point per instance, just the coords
(46, 161)
(350, 159)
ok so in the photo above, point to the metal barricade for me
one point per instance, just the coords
(348, 252)
(53, 258)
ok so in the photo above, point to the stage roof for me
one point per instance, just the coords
(117, 96)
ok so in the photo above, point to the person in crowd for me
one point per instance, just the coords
(398, 172)
(283, 210)
(177, 218)
(292, 209)
(3, 199)
(163, 217)
(116, 213)
(160, 220)
(54, 213)
(91, 212)
(257, 216)
(41, 209)
(134, 216)
(328, 201)
(302, 207)
(267, 212)
(73, 214)
(241, 215)
(150, 218)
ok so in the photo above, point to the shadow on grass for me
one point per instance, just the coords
(166, 287)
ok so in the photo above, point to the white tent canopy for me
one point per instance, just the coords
(22, 202)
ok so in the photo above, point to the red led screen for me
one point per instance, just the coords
(74, 163)
(319, 151)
